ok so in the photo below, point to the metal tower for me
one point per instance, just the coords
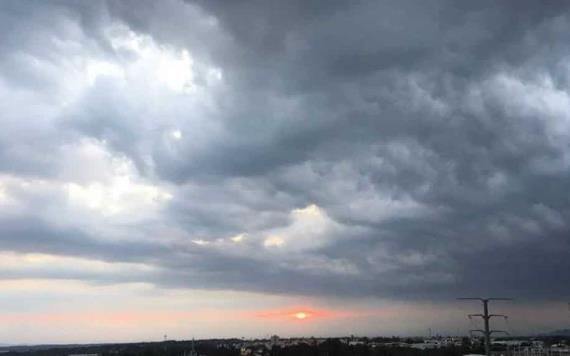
(193, 352)
(486, 317)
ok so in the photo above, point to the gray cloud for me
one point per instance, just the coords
(433, 136)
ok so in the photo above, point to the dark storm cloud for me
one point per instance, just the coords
(434, 134)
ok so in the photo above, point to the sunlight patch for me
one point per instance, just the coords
(273, 241)
(309, 211)
(122, 195)
(176, 134)
(310, 227)
(173, 68)
(176, 71)
(238, 238)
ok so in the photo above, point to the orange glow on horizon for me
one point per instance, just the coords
(127, 317)
(293, 314)
(300, 314)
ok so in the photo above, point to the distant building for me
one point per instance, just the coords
(424, 346)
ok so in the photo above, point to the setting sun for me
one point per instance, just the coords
(301, 315)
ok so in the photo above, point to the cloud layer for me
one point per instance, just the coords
(387, 149)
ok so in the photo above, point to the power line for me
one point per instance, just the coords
(486, 317)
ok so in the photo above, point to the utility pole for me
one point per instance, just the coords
(486, 317)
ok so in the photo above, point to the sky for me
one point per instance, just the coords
(217, 168)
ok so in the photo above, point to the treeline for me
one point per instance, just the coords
(331, 347)
(168, 348)
(336, 348)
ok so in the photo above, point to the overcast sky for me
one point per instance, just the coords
(211, 168)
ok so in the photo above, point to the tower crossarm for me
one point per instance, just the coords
(481, 299)
(498, 315)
